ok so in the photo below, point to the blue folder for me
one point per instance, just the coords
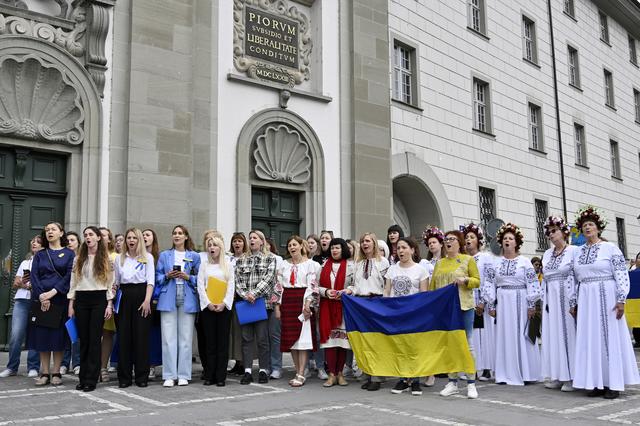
(116, 305)
(72, 329)
(251, 312)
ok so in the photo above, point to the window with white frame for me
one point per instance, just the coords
(615, 159)
(581, 149)
(633, 54)
(568, 8)
(403, 73)
(636, 104)
(604, 27)
(476, 16)
(535, 127)
(574, 66)
(481, 106)
(622, 239)
(529, 40)
(487, 205)
(608, 88)
(542, 212)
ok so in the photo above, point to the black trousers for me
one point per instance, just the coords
(216, 327)
(202, 348)
(133, 335)
(89, 308)
(252, 334)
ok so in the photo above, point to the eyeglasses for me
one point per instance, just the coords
(450, 239)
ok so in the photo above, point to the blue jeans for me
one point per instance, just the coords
(274, 342)
(71, 357)
(177, 336)
(19, 323)
(467, 317)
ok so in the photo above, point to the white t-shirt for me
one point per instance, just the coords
(428, 266)
(23, 293)
(405, 281)
(178, 259)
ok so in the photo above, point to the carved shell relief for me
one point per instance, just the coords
(38, 102)
(282, 155)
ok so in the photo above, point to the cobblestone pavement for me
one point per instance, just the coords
(277, 403)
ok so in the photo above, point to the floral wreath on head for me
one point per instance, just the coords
(558, 222)
(472, 227)
(433, 232)
(515, 230)
(590, 213)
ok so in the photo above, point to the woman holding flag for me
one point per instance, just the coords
(460, 270)
(511, 291)
(604, 360)
(335, 277)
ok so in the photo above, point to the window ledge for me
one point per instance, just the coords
(576, 87)
(638, 122)
(478, 33)
(616, 178)
(611, 107)
(488, 135)
(537, 152)
(533, 64)
(582, 166)
(635, 64)
(572, 17)
(606, 42)
(407, 106)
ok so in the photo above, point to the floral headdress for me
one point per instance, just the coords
(472, 227)
(558, 222)
(593, 214)
(510, 227)
(433, 232)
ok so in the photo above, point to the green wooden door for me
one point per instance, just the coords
(277, 214)
(32, 193)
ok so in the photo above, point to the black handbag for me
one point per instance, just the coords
(478, 321)
(51, 318)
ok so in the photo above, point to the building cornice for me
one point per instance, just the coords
(625, 12)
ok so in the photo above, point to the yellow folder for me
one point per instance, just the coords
(216, 290)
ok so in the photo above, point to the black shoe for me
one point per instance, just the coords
(400, 387)
(89, 388)
(220, 384)
(246, 379)
(416, 390)
(611, 394)
(207, 383)
(79, 386)
(596, 392)
(262, 377)
(141, 384)
(123, 385)
(442, 376)
(366, 384)
(374, 386)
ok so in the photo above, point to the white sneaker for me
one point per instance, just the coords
(168, 383)
(63, 370)
(357, 373)
(472, 392)
(183, 382)
(112, 370)
(553, 384)
(567, 387)
(7, 373)
(450, 389)
(76, 370)
(152, 373)
(276, 374)
(32, 373)
(322, 375)
(431, 380)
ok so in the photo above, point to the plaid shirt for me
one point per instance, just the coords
(256, 274)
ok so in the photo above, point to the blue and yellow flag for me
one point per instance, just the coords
(632, 307)
(409, 336)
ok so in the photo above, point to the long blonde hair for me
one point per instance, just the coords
(376, 249)
(222, 259)
(141, 250)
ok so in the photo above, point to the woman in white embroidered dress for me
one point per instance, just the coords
(512, 285)
(484, 339)
(604, 360)
(297, 292)
(558, 323)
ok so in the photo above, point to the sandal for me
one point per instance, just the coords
(43, 380)
(56, 379)
(104, 375)
(298, 381)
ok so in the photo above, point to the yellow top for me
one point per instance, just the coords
(448, 269)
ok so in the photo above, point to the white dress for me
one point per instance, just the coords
(484, 339)
(558, 326)
(513, 286)
(604, 354)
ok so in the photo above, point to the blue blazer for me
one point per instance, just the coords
(167, 288)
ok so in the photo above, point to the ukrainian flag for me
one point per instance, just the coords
(409, 336)
(632, 307)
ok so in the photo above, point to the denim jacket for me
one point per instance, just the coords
(167, 287)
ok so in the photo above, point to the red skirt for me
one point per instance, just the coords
(290, 325)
